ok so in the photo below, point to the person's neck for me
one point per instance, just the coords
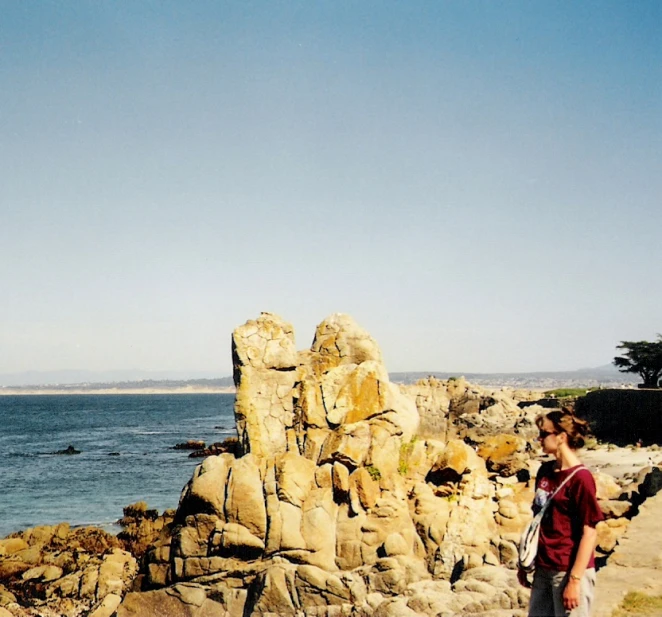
(566, 458)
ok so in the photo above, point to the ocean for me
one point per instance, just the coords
(126, 454)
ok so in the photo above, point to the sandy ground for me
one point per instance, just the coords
(618, 462)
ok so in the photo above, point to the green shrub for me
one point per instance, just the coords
(375, 474)
(406, 448)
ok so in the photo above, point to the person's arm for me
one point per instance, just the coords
(584, 553)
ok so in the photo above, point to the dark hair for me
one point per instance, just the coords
(566, 422)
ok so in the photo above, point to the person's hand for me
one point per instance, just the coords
(523, 578)
(571, 595)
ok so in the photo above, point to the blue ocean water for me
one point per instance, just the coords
(38, 487)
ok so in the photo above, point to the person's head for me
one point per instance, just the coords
(561, 427)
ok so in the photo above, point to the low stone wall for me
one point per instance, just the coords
(624, 416)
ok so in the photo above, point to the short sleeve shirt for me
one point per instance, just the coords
(573, 507)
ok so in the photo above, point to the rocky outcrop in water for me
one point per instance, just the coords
(68, 451)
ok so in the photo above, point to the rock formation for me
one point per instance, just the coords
(58, 571)
(333, 503)
(343, 495)
(457, 409)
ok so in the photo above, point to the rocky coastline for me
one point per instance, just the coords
(344, 494)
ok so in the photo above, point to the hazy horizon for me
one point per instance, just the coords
(477, 184)
(79, 376)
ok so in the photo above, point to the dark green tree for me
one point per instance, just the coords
(642, 357)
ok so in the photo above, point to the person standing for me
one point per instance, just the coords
(564, 579)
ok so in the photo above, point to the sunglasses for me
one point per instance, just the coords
(545, 434)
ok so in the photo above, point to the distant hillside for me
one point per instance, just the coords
(606, 376)
(144, 384)
(76, 376)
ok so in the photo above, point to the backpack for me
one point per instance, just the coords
(528, 544)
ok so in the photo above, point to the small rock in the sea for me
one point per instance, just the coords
(191, 444)
(113, 453)
(68, 450)
(229, 445)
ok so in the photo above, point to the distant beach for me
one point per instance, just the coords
(17, 391)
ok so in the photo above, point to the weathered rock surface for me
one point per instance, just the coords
(332, 503)
(349, 495)
(53, 570)
(142, 527)
(458, 409)
(343, 495)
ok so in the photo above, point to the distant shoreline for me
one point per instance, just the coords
(7, 391)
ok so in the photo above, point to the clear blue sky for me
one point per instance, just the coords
(477, 183)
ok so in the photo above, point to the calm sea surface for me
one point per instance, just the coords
(38, 487)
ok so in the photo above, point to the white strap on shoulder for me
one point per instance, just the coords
(560, 486)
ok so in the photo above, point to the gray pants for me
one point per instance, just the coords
(547, 594)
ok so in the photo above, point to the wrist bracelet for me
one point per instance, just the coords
(574, 577)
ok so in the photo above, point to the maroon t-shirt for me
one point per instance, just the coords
(574, 506)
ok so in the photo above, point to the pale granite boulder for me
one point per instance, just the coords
(265, 361)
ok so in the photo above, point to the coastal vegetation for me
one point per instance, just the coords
(374, 472)
(562, 393)
(643, 358)
(636, 604)
(406, 448)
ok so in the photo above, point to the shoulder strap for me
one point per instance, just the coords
(556, 490)
(560, 486)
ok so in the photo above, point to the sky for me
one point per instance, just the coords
(477, 183)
